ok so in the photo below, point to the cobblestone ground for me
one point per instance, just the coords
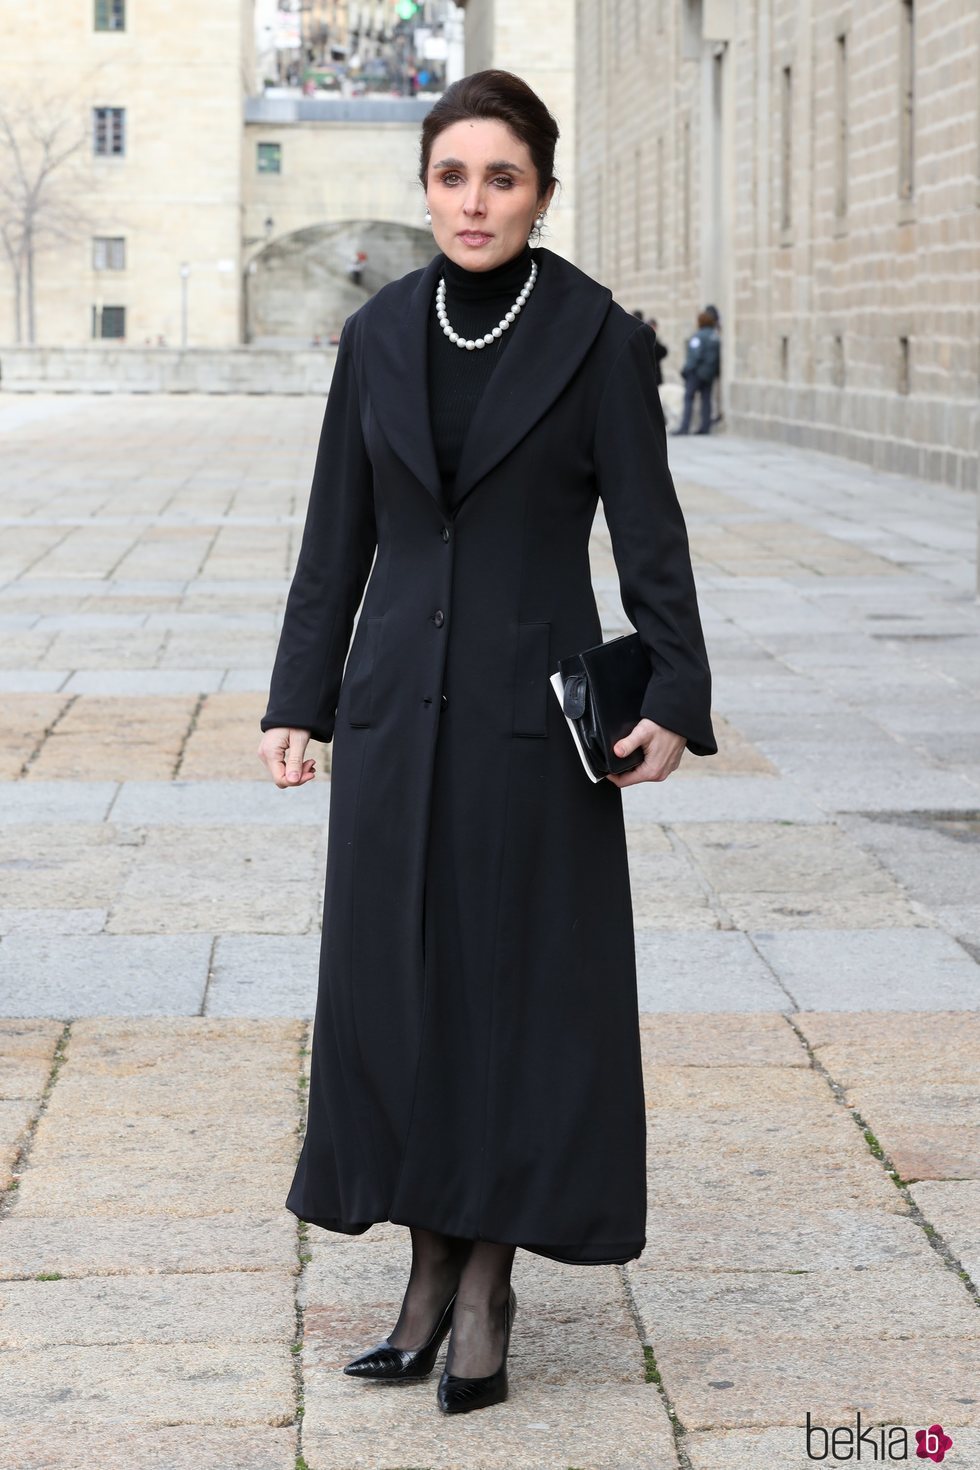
(808, 929)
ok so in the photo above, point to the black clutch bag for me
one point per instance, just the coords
(601, 690)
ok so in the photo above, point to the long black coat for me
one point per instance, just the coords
(476, 1056)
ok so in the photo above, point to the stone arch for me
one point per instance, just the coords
(298, 286)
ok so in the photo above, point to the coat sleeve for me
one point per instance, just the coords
(336, 553)
(650, 544)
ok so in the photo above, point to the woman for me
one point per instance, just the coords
(475, 1072)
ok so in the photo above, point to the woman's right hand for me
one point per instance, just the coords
(281, 750)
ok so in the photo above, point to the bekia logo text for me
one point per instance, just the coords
(885, 1442)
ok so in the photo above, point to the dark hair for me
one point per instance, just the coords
(508, 98)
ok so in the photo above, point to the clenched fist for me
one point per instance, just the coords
(281, 751)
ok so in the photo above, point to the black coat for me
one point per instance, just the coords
(476, 1054)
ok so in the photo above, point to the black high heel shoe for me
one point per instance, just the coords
(457, 1395)
(388, 1364)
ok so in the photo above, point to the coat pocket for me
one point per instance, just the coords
(531, 674)
(361, 676)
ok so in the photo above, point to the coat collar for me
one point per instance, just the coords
(558, 324)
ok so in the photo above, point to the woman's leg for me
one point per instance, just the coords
(436, 1264)
(476, 1345)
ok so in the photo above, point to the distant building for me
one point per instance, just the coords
(814, 172)
(200, 203)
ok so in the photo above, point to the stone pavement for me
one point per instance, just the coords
(808, 932)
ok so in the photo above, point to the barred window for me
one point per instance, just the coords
(109, 321)
(110, 15)
(109, 252)
(270, 158)
(109, 130)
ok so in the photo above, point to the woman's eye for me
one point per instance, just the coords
(501, 179)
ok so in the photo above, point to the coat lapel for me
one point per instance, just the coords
(553, 333)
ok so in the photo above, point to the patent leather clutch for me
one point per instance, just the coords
(601, 690)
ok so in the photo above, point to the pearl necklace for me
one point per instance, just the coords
(498, 330)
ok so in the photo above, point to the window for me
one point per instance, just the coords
(270, 158)
(786, 151)
(840, 161)
(906, 100)
(108, 321)
(110, 15)
(108, 253)
(109, 134)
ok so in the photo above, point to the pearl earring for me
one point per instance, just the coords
(428, 218)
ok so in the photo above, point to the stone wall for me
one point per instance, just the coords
(847, 288)
(179, 71)
(165, 370)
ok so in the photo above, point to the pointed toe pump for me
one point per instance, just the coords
(388, 1364)
(458, 1395)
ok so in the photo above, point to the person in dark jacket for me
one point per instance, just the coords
(660, 350)
(702, 364)
(476, 1071)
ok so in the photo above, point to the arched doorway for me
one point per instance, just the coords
(303, 285)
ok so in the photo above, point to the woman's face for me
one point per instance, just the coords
(482, 193)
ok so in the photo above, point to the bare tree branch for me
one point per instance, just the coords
(42, 140)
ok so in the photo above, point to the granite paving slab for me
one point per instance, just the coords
(751, 1381)
(121, 1446)
(952, 1207)
(904, 969)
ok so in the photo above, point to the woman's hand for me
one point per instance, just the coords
(281, 750)
(662, 753)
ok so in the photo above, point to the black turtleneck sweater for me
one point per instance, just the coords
(475, 303)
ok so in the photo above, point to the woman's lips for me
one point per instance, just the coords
(474, 237)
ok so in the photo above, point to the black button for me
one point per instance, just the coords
(445, 533)
(439, 617)
(445, 701)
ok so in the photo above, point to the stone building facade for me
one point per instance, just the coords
(191, 210)
(326, 182)
(812, 168)
(151, 93)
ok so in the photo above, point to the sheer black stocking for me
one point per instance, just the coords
(436, 1264)
(476, 1343)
